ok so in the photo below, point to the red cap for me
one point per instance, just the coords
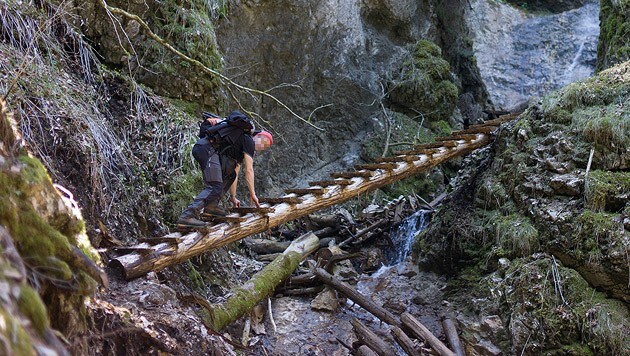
(267, 134)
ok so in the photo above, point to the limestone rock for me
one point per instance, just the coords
(567, 184)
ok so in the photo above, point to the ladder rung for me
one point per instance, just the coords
(436, 144)
(419, 151)
(131, 249)
(375, 166)
(465, 137)
(304, 191)
(159, 240)
(328, 183)
(363, 174)
(471, 130)
(247, 210)
(397, 159)
(287, 200)
(215, 218)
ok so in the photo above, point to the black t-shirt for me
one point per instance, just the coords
(237, 144)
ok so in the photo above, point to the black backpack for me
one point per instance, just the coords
(233, 122)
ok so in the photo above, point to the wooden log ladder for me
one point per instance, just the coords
(157, 254)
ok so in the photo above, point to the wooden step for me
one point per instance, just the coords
(247, 210)
(419, 151)
(397, 159)
(131, 249)
(472, 129)
(465, 137)
(446, 144)
(375, 166)
(215, 218)
(328, 183)
(362, 174)
(287, 200)
(159, 240)
(305, 191)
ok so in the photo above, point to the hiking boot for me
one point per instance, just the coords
(191, 222)
(215, 210)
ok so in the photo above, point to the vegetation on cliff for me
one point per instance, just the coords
(614, 37)
(547, 221)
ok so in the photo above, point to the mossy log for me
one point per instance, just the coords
(134, 264)
(262, 284)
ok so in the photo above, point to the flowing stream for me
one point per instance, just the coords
(398, 286)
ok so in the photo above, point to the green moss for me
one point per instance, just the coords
(180, 193)
(43, 247)
(195, 277)
(421, 184)
(606, 126)
(607, 189)
(424, 84)
(613, 45)
(33, 308)
(19, 342)
(566, 310)
(609, 87)
(517, 235)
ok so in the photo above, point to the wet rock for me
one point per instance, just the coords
(396, 305)
(492, 326)
(485, 347)
(567, 184)
(326, 300)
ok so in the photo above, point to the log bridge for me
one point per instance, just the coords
(159, 253)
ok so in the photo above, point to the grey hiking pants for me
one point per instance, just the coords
(218, 175)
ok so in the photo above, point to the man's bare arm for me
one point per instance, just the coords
(235, 202)
(248, 163)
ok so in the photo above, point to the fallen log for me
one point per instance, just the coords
(364, 231)
(404, 341)
(369, 338)
(357, 297)
(262, 284)
(265, 247)
(422, 332)
(364, 350)
(452, 336)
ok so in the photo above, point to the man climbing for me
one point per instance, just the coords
(223, 146)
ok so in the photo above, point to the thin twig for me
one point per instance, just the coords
(204, 68)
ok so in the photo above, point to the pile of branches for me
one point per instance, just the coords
(345, 238)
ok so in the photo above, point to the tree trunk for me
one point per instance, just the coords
(422, 332)
(452, 336)
(357, 297)
(262, 284)
(404, 341)
(369, 338)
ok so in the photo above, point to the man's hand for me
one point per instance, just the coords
(235, 202)
(213, 120)
(254, 199)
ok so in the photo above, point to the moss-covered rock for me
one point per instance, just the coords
(424, 87)
(614, 36)
(536, 197)
(42, 236)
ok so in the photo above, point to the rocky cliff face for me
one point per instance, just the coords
(522, 55)
(339, 72)
(545, 221)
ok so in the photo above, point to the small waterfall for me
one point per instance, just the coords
(404, 234)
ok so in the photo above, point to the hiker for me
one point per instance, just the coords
(224, 146)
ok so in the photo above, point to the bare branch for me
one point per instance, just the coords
(197, 63)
